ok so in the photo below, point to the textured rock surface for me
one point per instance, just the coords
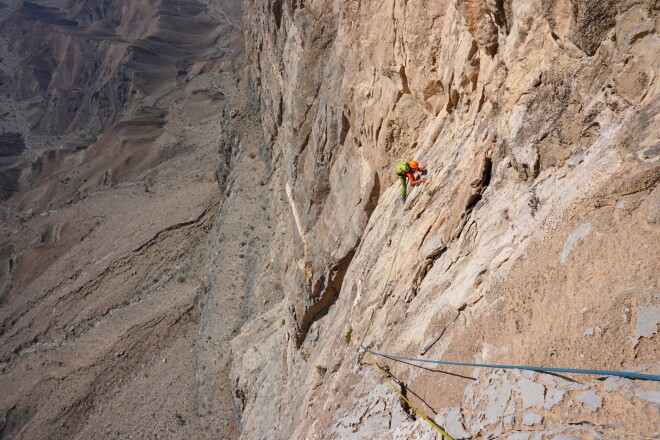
(540, 128)
(486, 409)
(193, 247)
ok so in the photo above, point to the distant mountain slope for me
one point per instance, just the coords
(120, 121)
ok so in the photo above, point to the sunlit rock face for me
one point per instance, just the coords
(534, 242)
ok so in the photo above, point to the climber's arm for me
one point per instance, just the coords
(411, 177)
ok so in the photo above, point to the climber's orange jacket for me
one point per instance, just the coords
(406, 171)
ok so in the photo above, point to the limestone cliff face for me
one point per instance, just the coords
(199, 219)
(534, 242)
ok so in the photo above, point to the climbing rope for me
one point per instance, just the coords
(417, 410)
(626, 374)
(387, 280)
(373, 361)
(371, 353)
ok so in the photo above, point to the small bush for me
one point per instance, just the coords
(320, 370)
(181, 279)
(283, 322)
(533, 202)
(348, 335)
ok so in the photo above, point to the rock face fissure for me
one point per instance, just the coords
(324, 292)
(480, 185)
(423, 270)
(12, 146)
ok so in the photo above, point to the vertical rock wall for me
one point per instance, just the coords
(534, 242)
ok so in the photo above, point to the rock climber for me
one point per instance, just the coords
(407, 171)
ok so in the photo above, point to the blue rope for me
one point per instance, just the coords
(625, 374)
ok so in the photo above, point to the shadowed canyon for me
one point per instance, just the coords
(202, 231)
